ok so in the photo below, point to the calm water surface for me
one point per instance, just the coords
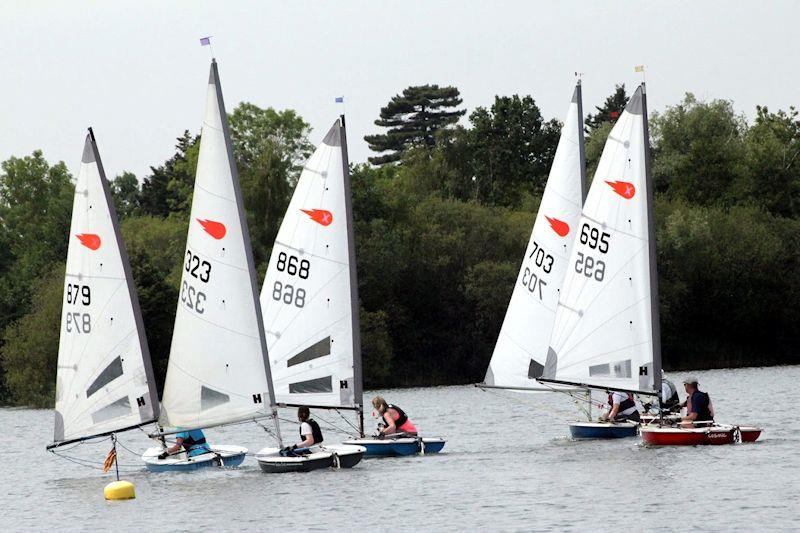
(507, 466)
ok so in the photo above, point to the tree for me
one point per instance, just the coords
(29, 353)
(125, 192)
(413, 119)
(270, 148)
(169, 188)
(35, 214)
(772, 163)
(698, 150)
(610, 110)
(512, 149)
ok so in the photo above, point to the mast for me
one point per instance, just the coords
(247, 243)
(655, 319)
(134, 296)
(358, 383)
(581, 142)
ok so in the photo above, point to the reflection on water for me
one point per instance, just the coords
(507, 465)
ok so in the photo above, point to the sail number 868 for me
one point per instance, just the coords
(288, 295)
(289, 264)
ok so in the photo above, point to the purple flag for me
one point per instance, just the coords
(339, 99)
(205, 41)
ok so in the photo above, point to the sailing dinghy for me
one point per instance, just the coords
(518, 357)
(218, 369)
(606, 330)
(309, 302)
(104, 382)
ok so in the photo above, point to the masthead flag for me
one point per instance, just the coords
(205, 41)
(639, 68)
(339, 99)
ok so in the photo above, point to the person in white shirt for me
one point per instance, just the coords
(310, 432)
(621, 408)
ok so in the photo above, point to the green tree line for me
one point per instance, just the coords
(442, 219)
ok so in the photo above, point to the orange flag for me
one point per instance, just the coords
(110, 458)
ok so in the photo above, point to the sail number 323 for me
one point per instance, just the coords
(199, 269)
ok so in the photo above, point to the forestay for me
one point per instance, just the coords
(104, 379)
(308, 297)
(218, 371)
(603, 331)
(518, 356)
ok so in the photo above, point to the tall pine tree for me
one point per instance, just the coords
(610, 110)
(413, 119)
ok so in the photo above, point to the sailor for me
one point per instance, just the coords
(193, 442)
(669, 396)
(310, 433)
(698, 404)
(621, 407)
(394, 419)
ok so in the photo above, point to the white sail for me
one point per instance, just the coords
(603, 331)
(308, 293)
(105, 379)
(519, 354)
(218, 371)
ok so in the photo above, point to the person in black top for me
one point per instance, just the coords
(310, 433)
(698, 404)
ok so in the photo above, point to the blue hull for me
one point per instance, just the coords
(387, 448)
(602, 431)
(235, 460)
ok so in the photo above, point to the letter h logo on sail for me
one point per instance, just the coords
(343, 384)
(642, 370)
(257, 398)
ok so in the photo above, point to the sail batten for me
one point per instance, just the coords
(519, 353)
(105, 382)
(218, 369)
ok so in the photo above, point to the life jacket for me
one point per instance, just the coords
(673, 399)
(402, 419)
(704, 412)
(624, 405)
(316, 432)
(190, 443)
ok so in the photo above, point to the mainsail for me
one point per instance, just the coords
(519, 353)
(105, 379)
(218, 369)
(606, 327)
(309, 297)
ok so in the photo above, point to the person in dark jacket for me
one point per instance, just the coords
(698, 404)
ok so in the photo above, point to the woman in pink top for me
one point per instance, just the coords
(395, 419)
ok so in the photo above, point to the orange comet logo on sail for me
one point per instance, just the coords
(559, 226)
(89, 240)
(623, 188)
(213, 228)
(320, 216)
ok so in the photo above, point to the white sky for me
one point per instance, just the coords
(136, 72)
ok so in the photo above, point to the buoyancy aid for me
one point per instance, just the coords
(316, 432)
(624, 405)
(401, 419)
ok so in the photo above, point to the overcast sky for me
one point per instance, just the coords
(136, 72)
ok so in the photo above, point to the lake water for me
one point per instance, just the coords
(507, 466)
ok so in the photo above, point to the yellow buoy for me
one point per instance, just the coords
(119, 490)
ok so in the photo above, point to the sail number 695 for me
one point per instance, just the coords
(590, 267)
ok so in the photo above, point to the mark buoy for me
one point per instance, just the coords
(119, 490)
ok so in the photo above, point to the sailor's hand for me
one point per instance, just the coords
(163, 455)
(293, 447)
(380, 436)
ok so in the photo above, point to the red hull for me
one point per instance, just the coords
(686, 437)
(749, 434)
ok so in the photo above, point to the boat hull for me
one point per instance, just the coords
(336, 456)
(602, 430)
(712, 435)
(222, 456)
(398, 447)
